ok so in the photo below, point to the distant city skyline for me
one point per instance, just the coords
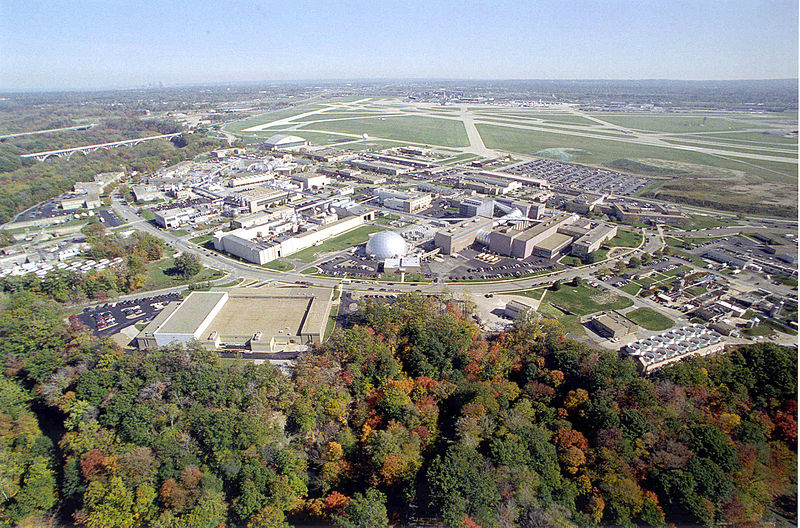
(94, 45)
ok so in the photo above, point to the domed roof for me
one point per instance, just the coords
(386, 244)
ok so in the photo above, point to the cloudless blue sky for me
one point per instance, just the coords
(98, 44)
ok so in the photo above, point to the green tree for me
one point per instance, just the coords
(188, 265)
(366, 510)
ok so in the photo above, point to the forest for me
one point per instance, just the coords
(410, 414)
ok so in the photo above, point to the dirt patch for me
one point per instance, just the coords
(604, 298)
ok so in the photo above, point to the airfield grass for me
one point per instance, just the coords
(237, 126)
(371, 145)
(732, 148)
(352, 238)
(425, 130)
(602, 150)
(755, 137)
(662, 123)
(584, 300)
(338, 115)
(650, 319)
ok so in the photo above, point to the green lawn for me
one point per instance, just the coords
(158, 275)
(202, 239)
(694, 291)
(179, 232)
(426, 130)
(584, 300)
(650, 319)
(147, 214)
(626, 238)
(278, 265)
(631, 288)
(352, 238)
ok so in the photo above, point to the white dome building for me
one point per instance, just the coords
(386, 244)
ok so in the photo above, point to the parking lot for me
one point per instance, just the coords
(108, 319)
(586, 178)
(48, 209)
(108, 218)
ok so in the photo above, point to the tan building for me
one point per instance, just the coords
(258, 320)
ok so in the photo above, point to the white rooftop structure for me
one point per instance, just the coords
(386, 244)
(282, 141)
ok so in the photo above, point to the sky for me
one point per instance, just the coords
(78, 44)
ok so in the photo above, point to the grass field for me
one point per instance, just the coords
(662, 123)
(238, 126)
(650, 319)
(159, 276)
(584, 300)
(352, 238)
(626, 238)
(425, 130)
(631, 288)
(278, 265)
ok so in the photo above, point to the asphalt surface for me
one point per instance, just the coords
(109, 318)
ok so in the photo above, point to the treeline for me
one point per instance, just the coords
(25, 182)
(410, 414)
(137, 250)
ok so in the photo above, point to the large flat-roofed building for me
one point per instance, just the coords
(169, 218)
(470, 207)
(612, 325)
(515, 242)
(264, 243)
(461, 236)
(584, 203)
(593, 239)
(328, 155)
(145, 193)
(250, 180)
(488, 184)
(258, 199)
(409, 202)
(262, 217)
(552, 246)
(310, 181)
(259, 320)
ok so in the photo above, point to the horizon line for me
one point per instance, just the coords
(206, 84)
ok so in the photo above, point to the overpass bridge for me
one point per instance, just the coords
(48, 131)
(66, 153)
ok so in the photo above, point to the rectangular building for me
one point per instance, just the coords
(170, 218)
(455, 238)
(258, 320)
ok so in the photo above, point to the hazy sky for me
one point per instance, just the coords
(87, 44)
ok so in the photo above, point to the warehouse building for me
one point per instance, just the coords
(258, 320)
(612, 325)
